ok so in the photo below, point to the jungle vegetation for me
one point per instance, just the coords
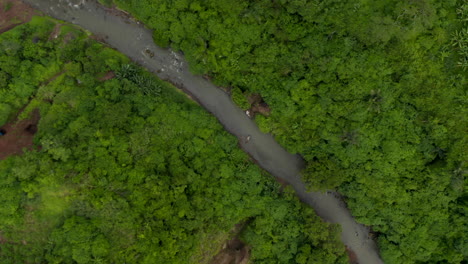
(373, 94)
(129, 170)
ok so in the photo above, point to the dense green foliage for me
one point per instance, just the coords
(277, 236)
(239, 98)
(130, 170)
(373, 94)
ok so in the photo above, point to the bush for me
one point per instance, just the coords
(5, 111)
(239, 98)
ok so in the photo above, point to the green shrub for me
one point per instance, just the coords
(5, 111)
(239, 98)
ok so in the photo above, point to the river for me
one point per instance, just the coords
(132, 39)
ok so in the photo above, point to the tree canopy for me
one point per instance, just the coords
(373, 94)
(129, 170)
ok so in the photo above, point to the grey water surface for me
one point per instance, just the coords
(132, 39)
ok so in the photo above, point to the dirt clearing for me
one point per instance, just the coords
(18, 135)
(14, 13)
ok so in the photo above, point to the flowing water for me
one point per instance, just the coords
(132, 39)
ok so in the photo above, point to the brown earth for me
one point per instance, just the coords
(56, 32)
(109, 75)
(19, 135)
(258, 105)
(234, 252)
(352, 256)
(14, 13)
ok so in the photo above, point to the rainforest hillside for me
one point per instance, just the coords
(126, 169)
(373, 94)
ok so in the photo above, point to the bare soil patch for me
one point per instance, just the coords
(258, 105)
(352, 256)
(109, 75)
(233, 252)
(19, 135)
(14, 13)
(56, 32)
